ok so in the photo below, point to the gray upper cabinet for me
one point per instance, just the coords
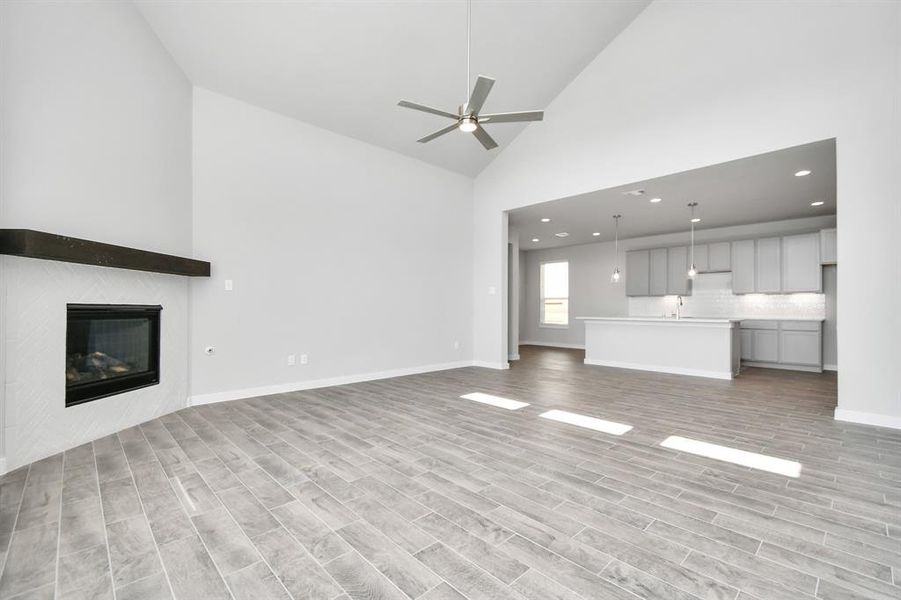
(773, 265)
(677, 271)
(701, 257)
(769, 266)
(719, 257)
(828, 247)
(658, 271)
(801, 270)
(743, 267)
(637, 263)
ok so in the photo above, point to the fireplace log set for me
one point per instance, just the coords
(96, 365)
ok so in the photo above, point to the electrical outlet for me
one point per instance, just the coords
(229, 285)
(292, 360)
(456, 345)
(492, 290)
(304, 359)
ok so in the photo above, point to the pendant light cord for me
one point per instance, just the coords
(692, 205)
(616, 219)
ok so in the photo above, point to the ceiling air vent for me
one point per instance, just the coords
(634, 193)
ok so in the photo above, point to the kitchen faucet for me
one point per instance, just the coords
(678, 307)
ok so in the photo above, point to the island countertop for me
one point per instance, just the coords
(686, 320)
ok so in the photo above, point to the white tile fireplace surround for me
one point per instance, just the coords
(33, 298)
(712, 296)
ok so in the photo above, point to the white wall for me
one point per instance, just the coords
(693, 84)
(590, 265)
(95, 142)
(96, 126)
(354, 255)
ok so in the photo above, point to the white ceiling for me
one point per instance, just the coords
(757, 189)
(343, 66)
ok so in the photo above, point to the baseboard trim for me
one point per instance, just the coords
(830, 367)
(297, 386)
(2, 466)
(781, 366)
(554, 345)
(659, 369)
(490, 365)
(865, 418)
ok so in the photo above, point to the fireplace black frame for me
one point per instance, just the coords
(94, 390)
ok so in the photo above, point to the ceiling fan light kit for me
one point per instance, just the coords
(468, 118)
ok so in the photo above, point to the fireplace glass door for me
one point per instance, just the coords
(110, 349)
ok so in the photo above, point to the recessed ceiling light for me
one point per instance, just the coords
(561, 234)
(545, 220)
(696, 220)
(535, 240)
(817, 203)
(656, 200)
(802, 173)
(596, 233)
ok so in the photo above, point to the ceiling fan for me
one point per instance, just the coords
(468, 117)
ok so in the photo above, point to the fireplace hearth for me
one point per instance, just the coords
(110, 349)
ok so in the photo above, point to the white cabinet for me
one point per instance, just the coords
(677, 271)
(766, 346)
(637, 273)
(743, 267)
(828, 247)
(768, 269)
(801, 270)
(658, 268)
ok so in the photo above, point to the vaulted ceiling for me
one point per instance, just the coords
(344, 65)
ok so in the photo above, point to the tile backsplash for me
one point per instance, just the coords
(712, 297)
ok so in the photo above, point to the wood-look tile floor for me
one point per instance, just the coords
(399, 488)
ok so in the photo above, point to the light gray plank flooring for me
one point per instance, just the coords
(399, 489)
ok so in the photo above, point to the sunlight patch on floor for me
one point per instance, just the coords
(780, 466)
(596, 424)
(495, 401)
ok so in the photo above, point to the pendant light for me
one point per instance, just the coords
(692, 271)
(615, 277)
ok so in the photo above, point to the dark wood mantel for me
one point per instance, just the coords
(49, 246)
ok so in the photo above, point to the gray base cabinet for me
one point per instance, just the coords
(795, 345)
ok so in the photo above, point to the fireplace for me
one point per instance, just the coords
(110, 349)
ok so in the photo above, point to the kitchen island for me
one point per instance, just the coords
(686, 346)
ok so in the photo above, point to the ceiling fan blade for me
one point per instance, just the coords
(428, 109)
(485, 139)
(479, 94)
(514, 117)
(438, 133)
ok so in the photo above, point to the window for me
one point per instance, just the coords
(555, 294)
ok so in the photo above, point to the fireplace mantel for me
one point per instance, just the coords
(48, 246)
